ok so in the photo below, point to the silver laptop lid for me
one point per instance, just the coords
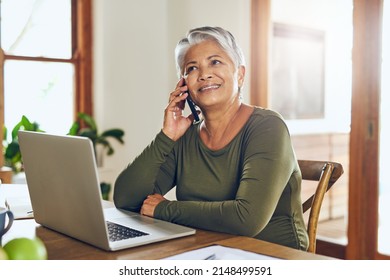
(65, 194)
(63, 183)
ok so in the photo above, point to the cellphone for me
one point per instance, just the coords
(192, 106)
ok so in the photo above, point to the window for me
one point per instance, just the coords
(297, 75)
(46, 62)
(367, 186)
(304, 48)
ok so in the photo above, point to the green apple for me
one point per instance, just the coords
(26, 249)
(3, 254)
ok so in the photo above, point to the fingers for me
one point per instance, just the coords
(180, 89)
(150, 204)
(181, 82)
(153, 198)
(175, 124)
(175, 107)
(146, 211)
(178, 96)
(191, 117)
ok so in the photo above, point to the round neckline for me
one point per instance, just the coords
(224, 148)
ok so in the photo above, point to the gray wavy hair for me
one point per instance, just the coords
(198, 35)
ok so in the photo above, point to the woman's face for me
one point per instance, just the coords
(211, 76)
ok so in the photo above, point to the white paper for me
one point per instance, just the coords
(20, 207)
(17, 198)
(218, 252)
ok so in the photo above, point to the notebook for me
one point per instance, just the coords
(63, 183)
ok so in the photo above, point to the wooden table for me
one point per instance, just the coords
(62, 247)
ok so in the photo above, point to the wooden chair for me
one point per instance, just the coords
(326, 173)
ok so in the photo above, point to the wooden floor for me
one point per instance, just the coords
(334, 230)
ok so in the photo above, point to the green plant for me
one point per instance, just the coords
(12, 155)
(86, 126)
(105, 188)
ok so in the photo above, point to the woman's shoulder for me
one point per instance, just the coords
(262, 116)
(265, 120)
(264, 113)
(266, 126)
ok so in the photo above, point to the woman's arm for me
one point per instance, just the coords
(140, 177)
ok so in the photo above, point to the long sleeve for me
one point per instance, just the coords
(139, 178)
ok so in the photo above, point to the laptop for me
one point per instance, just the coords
(63, 183)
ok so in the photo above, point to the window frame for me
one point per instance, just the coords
(82, 59)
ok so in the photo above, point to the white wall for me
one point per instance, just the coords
(134, 69)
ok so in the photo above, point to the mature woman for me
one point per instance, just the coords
(235, 171)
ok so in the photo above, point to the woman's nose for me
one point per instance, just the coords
(205, 74)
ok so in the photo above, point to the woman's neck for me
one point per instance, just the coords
(217, 121)
(220, 127)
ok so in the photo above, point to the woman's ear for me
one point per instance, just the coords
(241, 75)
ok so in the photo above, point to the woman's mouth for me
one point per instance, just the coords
(209, 87)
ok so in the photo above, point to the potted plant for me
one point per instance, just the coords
(86, 126)
(12, 155)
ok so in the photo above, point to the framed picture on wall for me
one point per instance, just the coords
(297, 71)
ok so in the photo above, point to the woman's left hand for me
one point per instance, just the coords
(150, 204)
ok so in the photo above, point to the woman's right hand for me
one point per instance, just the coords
(175, 123)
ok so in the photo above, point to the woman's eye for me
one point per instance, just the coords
(215, 62)
(190, 69)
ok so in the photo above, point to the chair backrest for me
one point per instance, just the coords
(326, 173)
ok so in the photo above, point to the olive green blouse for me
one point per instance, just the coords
(250, 187)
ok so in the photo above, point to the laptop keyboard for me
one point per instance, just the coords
(118, 232)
